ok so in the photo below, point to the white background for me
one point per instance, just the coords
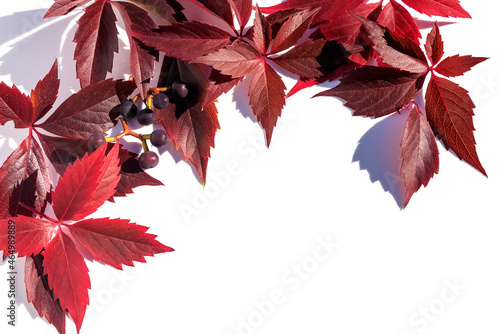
(249, 256)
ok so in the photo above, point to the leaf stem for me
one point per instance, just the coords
(35, 211)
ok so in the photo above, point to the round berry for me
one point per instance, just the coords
(148, 159)
(179, 88)
(95, 141)
(146, 117)
(128, 109)
(158, 138)
(160, 101)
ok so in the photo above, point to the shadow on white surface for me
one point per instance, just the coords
(379, 152)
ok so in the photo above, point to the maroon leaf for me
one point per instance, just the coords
(375, 92)
(24, 177)
(63, 7)
(160, 8)
(396, 18)
(301, 60)
(236, 60)
(449, 110)
(45, 93)
(292, 30)
(445, 8)
(457, 65)
(39, 294)
(420, 154)
(434, 45)
(96, 39)
(267, 97)
(185, 40)
(87, 111)
(116, 241)
(329, 8)
(396, 51)
(218, 8)
(68, 276)
(63, 151)
(142, 58)
(15, 106)
(219, 84)
(261, 32)
(31, 235)
(242, 9)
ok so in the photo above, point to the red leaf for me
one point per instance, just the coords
(219, 84)
(396, 51)
(434, 45)
(68, 276)
(87, 111)
(45, 93)
(445, 8)
(116, 241)
(15, 106)
(236, 60)
(457, 65)
(267, 97)
(39, 294)
(261, 31)
(218, 8)
(396, 17)
(375, 91)
(345, 28)
(186, 40)
(242, 9)
(96, 39)
(292, 30)
(24, 177)
(86, 185)
(301, 60)
(449, 110)
(142, 58)
(63, 151)
(31, 235)
(420, 154)
(63, 7)
(158, 7)
(329, 8)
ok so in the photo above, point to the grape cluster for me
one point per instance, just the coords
(128, 110)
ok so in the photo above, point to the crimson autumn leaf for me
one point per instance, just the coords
(45, 93)
(31, 235)
(63, 7)
(445, 8)
(449, 111)
(242, 9)
(302, 59)
(434, 45)
(15, 106)
(218, 8)
(377, 91)
(420, 155)
(396, 17)
(457, 65)
(261, 32)
(96, 40)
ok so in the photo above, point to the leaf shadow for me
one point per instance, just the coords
(379, 153)
(242, 100)
(21, 23)
(428, 24)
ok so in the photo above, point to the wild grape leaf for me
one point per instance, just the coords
(302, 59)
(39, 294)
(267, 97)
(68, 276)
(397, 51)
(345, 28)
(31, 235)
(328, 8)
(96, 41)
(15, 106)
(261, 34)
(142, 58)
(217, 8)
(45, 93)
(420, 154)
(449, 110)
(292, 30)
(236, 60)
(242, 9)
(86, 185)
(87, 111)
(185, 40)
(457, 65)
(377, 91)
(434, 45)
(63, 7)
(116, 241)
(160, 8)
(396, 18)
(218, 85)
(24, 177)
(61, 151)
(445, 8)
